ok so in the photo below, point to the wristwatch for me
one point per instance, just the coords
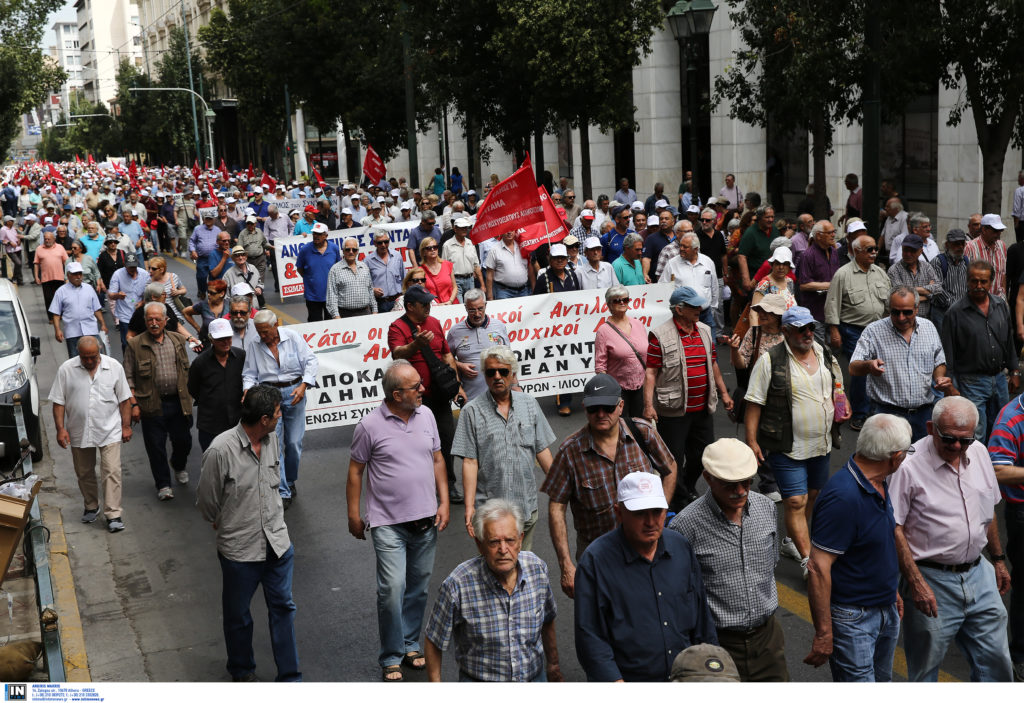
(997, 557)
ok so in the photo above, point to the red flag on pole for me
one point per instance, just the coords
(195, 171)
(78, 159)
(224, 170)
(512, 204)
(162, 172)
(373, 166)
(551, 230)
(268, 183)
(248, 171)
(54, 173)
(133, 170)
(213, 193)
(319, 180)
(92, 161)
(117, 169)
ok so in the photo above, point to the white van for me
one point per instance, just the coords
(18, 350)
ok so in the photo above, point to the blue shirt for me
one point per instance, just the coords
(634, 616)
(93, 247)
(297, 361)
(121, 282)
(854, 522)
(314, 268)
(133, 230)
(76, 306)
(262, 209)
(302, 227)
(203, 240)
(386, 276)
(213, 260)
(612, 244)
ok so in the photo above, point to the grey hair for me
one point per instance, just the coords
(678, 226)
(616, 291)
(152, 291)
(733, 224)
(265, 317)
(428, 216)
(917, 219)
(391, 381)
(160, 306)
(762, 210)
(882, 436)
(458, 206)
(473, 294)
(271, 208)
(88, 342)
(708, 211)
(692, 238)
(818, 226)
(240, 300)
(780, 242)
(903, 292)
(957, 410)
(631, 239)
(897, 205)
(809, 190)
(495, 509)
(501, 354)
(380, 234)
(860, 236)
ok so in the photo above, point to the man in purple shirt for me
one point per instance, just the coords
(814, 273)
(398, 448)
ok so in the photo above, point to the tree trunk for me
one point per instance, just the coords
(585, 160)
(819, 136)
(992, 160)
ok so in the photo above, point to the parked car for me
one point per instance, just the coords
(18, 351)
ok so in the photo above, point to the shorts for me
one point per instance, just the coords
(796, 476)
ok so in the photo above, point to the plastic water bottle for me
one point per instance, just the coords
(839, 400)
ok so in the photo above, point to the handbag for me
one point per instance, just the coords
(643, 362)
(444, 382)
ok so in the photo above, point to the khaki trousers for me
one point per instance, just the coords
(84, 459)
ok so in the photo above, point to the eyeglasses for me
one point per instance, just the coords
(418, 280)
(430, 248)
(707, 220)
(491, 373)
(909, 450)
(351, 249)
(606, 409)
(410, 388)
(239, 313)
(804, 329)
(619, 301)
(872, 250)
(949, 440)
(895, 312)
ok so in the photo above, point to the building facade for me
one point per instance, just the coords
(108, 31)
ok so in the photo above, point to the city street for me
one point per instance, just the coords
(149, 597)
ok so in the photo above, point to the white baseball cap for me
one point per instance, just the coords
(587, 214)
(592, 243)
(693, 209)
(74, 267)
(641, 491)
(856, 226)
(219, 329)
(558, 250)
(257, 189)
(320, 228)
(993, 221)
(242, 288)
(637, 206)
(661, 203)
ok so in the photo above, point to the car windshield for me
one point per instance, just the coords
(11, 341)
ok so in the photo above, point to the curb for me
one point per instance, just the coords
(76, 662)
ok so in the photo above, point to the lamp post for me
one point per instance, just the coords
(690, 21)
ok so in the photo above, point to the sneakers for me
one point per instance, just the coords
(803, 566)
(165, 493)
(181, 477)
(788, 549)
(115, 524)
(90, 515)
(775, 497)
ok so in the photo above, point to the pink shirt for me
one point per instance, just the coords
(9, 238)
(614, 356)
(945, 513)
(50, 261)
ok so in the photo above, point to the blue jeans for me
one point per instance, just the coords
(918, 418)
(72, 344)
(971, 612)
(502, 292)
(122, 328)
(795, 476)
(385, 305)
(240, 581)
(863, 642)
(405, 560)
(857, 391)
(464, 284)
(289, 435)
(202, 275)
(173, 424)
(980, 390)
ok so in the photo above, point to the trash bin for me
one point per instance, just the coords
(14, 515)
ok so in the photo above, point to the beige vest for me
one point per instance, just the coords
(672, 387)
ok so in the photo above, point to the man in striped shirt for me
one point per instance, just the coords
(682, 387)
(989, 247)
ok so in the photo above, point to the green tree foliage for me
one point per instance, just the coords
(86, 135)
(27, 75)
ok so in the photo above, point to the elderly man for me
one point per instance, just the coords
(902, 356)
(586, 227)
(387, 272)
(254, 242)
(943, 499)
(595, 273)
(734, 536)
(854, 569)
(683, 386)
(857, 296)
(219, 260)
(671, 250)
(314, 264)
(697, 270)
(977, 338)
(638, 568)
(467, 339)
(215, 383)
(921, 226)
(236, 496)
(656, 241)
(427, 228)
(989, 247)
(92, 411)
(202, 242)
(155, 292)
(590, 463)
(615, 239)
(895, 225)
(628, 267)
(507, 275)
(398, 448)
(558, 277)
(240, 318)
(130, 228)
(350, 290)
(731, 192)
(803, 237)
(789, 420)
(473, 601)
(951, 269)
(76, 310)
(463, 255)
(282, 359)
(501, 434)
(242, 271)
(49, 267)
(915, 274)
(814, 273)
(156, 364)
(126, 289)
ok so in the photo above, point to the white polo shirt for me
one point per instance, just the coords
(91, 414)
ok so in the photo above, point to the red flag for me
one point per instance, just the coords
(133, 170)
(512, 204)
(206, 165)
(92, 162)
(373, 166)
(248, 171)
(78, 159)
(224, 170)
(319, 180)
(54, 173)
(162, 172)
(550, 231)
(213, 193)
(195, 171)
(268, 183)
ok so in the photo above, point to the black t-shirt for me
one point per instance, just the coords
(713, 247)
(138, 322)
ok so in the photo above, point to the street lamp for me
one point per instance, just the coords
(690, 21)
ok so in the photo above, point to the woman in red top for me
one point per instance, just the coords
(440, 273)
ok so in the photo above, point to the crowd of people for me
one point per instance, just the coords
(919, 356)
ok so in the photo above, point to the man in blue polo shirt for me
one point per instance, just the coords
(314, 263)
(853, 569)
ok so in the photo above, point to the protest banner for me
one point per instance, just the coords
(551, 230)
(511, 204)
(283, 205)
(552, 336)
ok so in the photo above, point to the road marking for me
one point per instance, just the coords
(277, 311)
(72, 636)
(796, 603)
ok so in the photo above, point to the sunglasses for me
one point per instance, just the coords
(606, 409)
(239, 313)
(949, 441)
(351, 249)
(704, 220)
(805, 329)
(895, 312)
(872, 250)
(418, 280)
(432, 248)
(619, 301)
(491, 373)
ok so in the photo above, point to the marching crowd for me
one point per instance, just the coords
(915, 347)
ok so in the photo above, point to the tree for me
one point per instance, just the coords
(79, 136)
(28, 75)
(804, 61)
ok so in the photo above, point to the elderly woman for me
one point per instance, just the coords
(209, 308)
(173, 286)
(745, 352)
(778, 281)
(416, 276)
(293, 217)
(90, 271)
(440, 273)
(620, 349)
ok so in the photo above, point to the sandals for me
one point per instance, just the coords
(388, 671)
(410, 658)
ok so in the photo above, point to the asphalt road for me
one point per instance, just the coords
(149, 597)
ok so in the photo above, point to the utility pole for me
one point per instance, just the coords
(410, 106)
(289, 166)
(191, 83)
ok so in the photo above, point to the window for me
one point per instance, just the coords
(909, 149)
(137, 40)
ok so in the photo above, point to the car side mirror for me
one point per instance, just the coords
(34, 345)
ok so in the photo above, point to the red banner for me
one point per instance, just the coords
(213, 193)
(224, 171)
(54, 173)
(248, 171)
(373, 166)
(268, 183)
(511, 205)
(195, 171)
(319, 180)
(92, 161)
(551, 230)
(78, 159)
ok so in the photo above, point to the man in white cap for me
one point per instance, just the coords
(919, 224)
(254, 241)
(375, 218)
(734, 534)
(595, 273)
(557, 277)
(988, 246)
(76, 310)
(463, 255)
(638, 568)
(242, 271)
(215, 383)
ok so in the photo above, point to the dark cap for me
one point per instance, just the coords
(131, 260)
(913, 241)
(704, 663)
(418, 294)
(956, 235)
(602, 389)
(617, 210)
